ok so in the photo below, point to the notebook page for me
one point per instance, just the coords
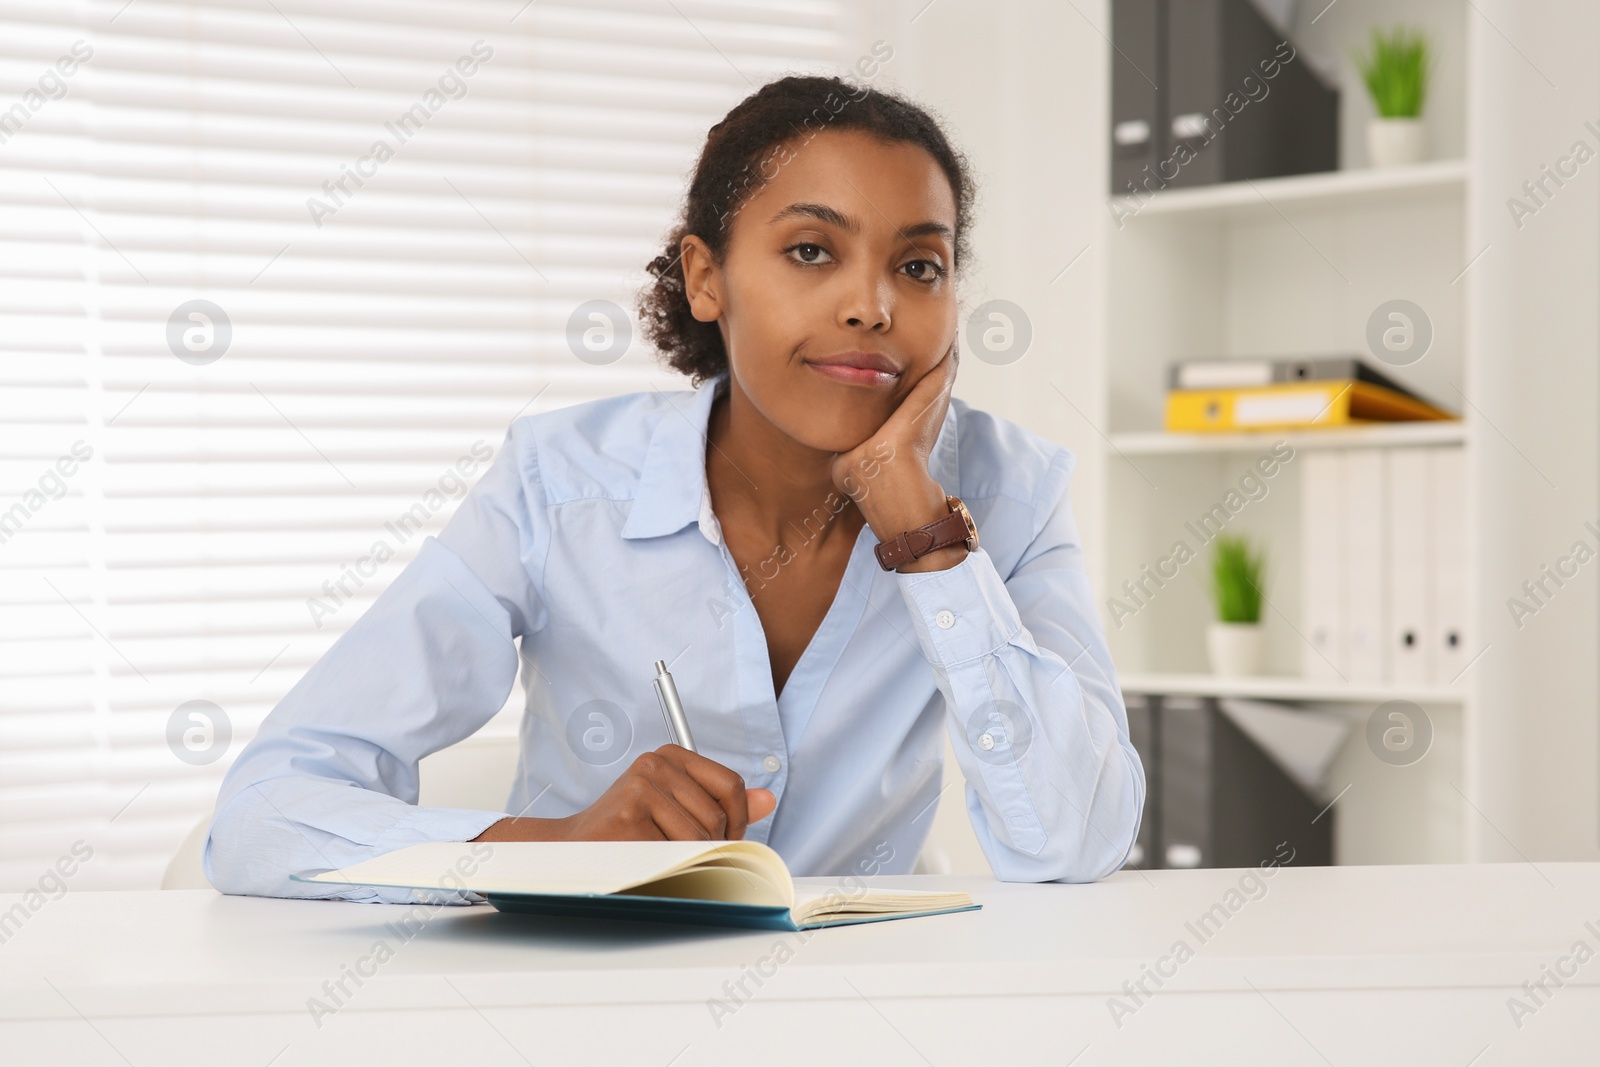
(540, 866)
(841, 896)
(731, 885)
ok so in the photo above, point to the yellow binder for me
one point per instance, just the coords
(1292, 405)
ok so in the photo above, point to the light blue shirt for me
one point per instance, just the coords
(589, 550)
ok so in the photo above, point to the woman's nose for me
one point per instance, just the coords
(867, 304)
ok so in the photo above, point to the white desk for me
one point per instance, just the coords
(1344, 965)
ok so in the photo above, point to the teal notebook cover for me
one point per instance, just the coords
(680, 910)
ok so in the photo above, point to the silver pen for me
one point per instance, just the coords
(672, 708)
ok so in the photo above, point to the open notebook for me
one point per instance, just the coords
(722, 883)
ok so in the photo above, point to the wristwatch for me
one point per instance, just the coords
(953, 529)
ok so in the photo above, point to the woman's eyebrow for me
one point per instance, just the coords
(834, 217)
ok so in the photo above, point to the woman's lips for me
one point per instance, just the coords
(853, 375)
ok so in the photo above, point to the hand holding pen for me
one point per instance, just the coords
(670, 794)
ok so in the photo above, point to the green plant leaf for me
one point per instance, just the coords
(1236, 579)
(1396, 72)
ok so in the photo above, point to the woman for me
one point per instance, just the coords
(760, 534)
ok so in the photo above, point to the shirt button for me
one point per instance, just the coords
(772, 763)
(945, 620)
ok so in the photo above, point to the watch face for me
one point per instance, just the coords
(966, 517)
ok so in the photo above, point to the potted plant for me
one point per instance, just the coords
(1396, 73)
(1234, 639)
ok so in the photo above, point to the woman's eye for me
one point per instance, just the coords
(930, 271)
(807, 251)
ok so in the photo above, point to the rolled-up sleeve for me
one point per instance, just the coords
(1054, 788)
(331, 778)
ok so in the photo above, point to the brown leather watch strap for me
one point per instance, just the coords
(914, 544)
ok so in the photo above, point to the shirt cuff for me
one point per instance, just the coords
(961, 613)
(424, 825)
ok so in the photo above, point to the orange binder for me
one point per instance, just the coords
(1293, 405)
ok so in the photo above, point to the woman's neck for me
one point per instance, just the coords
(769, 483)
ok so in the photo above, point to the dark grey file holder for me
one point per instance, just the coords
(1174, 64)
(1138, 69)
(1213, 798)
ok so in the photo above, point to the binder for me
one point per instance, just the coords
(1224, 801)
(1364, 521)
(1384, 565)
(1143, 711)
(1138, 65)
(1186, 774)
(1451, 637)
(1286, 124)
(1292, 406)
(1322, 566)
(1192, 101)
(1245, 373)
(1411, 579)
(1302, 741)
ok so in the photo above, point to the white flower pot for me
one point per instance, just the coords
(1396, 142)
(1235, 648)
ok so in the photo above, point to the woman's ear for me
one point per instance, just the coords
(701, 279)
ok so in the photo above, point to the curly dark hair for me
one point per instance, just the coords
(733, 166)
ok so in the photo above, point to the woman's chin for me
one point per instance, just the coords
(849, 420)
(837, 438)
(834, 419)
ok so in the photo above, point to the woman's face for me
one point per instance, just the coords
(848, 248)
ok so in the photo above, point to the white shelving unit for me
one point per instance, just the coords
(1397, 185)
(1281, 268)
(1396, 435)
(1288, 687)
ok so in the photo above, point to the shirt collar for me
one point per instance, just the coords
(672, 490)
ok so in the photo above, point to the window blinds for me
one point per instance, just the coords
(275, 275)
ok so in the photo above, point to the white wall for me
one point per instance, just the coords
(1532, 319)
